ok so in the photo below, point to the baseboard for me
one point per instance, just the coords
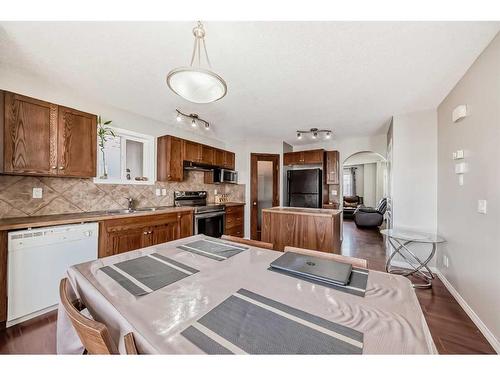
(468, 310)
(490, 337)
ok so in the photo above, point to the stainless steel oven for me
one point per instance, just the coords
(208, 218)
(209, 223)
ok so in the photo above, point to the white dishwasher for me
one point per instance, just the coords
(38, 260)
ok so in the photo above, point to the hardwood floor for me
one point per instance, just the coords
(452, 330)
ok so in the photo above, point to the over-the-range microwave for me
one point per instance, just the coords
(224, 176)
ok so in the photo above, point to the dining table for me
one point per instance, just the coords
(184, 297)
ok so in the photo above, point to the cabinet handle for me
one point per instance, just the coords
(54, 167)
(144, 233)
(61, 168)
(150, 232)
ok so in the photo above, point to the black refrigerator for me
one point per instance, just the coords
(304, 188)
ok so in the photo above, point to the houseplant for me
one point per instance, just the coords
(103, 132)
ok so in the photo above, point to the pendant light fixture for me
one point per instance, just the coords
(195, 83)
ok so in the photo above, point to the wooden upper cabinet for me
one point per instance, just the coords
(229, 160)
(207, 155)
(303, 157)
(313, 156)
(332, 167)
(192, 151)
(41, 138)
(169, 159)
(219, 158)
(29, 135)
(77, 143)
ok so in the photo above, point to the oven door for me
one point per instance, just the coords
(210, 224)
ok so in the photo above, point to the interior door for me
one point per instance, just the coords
(77, 143)
(264, 188)
(30, 144)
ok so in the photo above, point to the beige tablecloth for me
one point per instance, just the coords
(389, 315)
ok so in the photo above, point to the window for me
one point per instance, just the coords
(347, 186)
(127, 158)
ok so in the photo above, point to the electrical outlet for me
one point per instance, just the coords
(482, 206)
(158, 192)
(37, 193)
(163, 191)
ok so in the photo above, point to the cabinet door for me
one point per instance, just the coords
(169, 159)
(77, 143)
(192, 151)
(30, 135)
(219, 158)
(229, 160)
(292, 158)
(126, 240)
(207, 155)
(313, 157)
(186, 224)
(165, 232)
(332, 167)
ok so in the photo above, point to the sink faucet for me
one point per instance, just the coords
(130, 204)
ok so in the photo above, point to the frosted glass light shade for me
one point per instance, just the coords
(197, 85)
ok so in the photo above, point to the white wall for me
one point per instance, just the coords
(369, 184)
(414, 174)
(473, 239)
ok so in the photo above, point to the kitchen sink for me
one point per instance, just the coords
(120, 211)
(145, 209)
(128, 211)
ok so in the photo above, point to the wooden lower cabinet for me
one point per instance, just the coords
(120, 235)
(234, 222)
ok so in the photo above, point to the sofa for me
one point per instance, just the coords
(350, 205)
(370, 216)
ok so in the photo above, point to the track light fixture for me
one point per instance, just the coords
(315, 132)
(195, 119)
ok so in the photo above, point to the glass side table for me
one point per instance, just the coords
(400, 239)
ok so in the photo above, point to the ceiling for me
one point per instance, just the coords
(350, 77)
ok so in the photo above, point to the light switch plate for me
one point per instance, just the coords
(158, 192)
(37, 193)
(482, 206)
(334, 192)
(163, 191)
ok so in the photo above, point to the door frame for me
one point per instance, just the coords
(254, 158)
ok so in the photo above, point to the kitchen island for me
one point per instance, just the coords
(308, 228)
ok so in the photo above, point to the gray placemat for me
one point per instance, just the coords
(356, 286)
(148, 273)
(213, 248)
(247, 322)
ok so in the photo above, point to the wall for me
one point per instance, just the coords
(414, 175)
(370, 184)
(473, 239)
(70, 195)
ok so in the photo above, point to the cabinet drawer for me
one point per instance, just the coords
(234, 231)
(234, 210)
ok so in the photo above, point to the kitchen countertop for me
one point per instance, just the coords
(61, 219)
(303, 211)
(48, 220)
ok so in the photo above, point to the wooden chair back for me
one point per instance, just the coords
(356, 262)
(129, 341)
(264, 245)
(94, 335)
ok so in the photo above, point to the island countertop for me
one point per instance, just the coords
(303, 211)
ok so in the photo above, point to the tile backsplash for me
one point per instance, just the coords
(70, 195)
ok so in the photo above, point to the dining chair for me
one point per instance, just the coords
(356, 262)
(264, 245)
(94, 335)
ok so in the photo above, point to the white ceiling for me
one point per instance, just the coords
(349, 77)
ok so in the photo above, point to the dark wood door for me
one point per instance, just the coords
(229, 160)
(312, 157)
(77, 143)
(207, 154)
(30, 135)
(332, 167)
(169, 159)
(219, 158)
(254, 188)
(192, 151)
